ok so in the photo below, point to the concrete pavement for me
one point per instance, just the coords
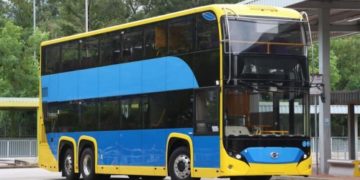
(41, 174)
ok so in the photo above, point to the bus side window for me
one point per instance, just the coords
(110, 48)
(155, 111)
(51, 59)
(207, 31)
(179, 114)
(109, 114)
(88, 115)
(68, 117)
(133, 45)
(131, 113)
(89, 53)
(181, 35)
(155, 40)
(70, 56)
(50, 116)
(206, 121)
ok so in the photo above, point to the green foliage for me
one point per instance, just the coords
(19, 77)
(18, 67)
(20, 12)
(344, 63)
(17, 123)
(347, 50)
(314, 65)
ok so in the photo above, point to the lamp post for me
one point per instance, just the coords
(34, 22)
(86, 15)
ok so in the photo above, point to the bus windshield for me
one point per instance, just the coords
(269, 36)
(257, 111)
(275, 68)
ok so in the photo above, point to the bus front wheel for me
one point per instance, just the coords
(180, 165)
(68, 169)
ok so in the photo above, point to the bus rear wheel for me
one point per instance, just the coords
(180, 165)
(68, 169)
(87, 164)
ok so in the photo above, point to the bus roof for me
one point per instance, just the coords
(218, 9)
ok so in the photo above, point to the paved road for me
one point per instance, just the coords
(28, 174)
(36, 174)
(41, 174)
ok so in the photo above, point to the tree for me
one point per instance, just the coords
(18, 67)
(314, 66)
(19, 76)
(348, 54)
(67, 17)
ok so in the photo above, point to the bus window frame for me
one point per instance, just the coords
(217, 90)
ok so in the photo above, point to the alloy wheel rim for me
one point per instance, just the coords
(68, 164)
(182, 166)
(87, 165)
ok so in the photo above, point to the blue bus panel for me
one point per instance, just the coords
(143, 147)
(153, 75)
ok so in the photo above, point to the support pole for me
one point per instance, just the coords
(324, 66)
(34, 15)
(34, 22)
(351, 132)
(356, 135)
(86, 15)
(316, 139)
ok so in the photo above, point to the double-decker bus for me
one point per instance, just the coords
(213, 91)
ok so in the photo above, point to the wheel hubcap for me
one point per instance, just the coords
(68, 164)
(87, 165)
(182, 166)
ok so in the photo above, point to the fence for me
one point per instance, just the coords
(339, 148)
(15, 148)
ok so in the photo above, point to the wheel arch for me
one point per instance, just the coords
(88, 142)
(176, 140)
(66, 142)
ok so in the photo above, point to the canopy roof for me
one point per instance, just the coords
(344, 14)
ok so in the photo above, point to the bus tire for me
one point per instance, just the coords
(180, 165)
(68, 169)
(87, 164)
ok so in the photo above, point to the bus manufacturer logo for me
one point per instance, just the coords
(274, 155)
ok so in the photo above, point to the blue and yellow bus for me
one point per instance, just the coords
(213, 91)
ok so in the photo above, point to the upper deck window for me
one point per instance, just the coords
(89, 52)
(206, 31)
(51, 59)
(70, 56)
(181, 32)
(269, 36)
(110, 48)
(155, 40)
(133, 45)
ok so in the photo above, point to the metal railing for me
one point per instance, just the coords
(339, 148)
(15, 148)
